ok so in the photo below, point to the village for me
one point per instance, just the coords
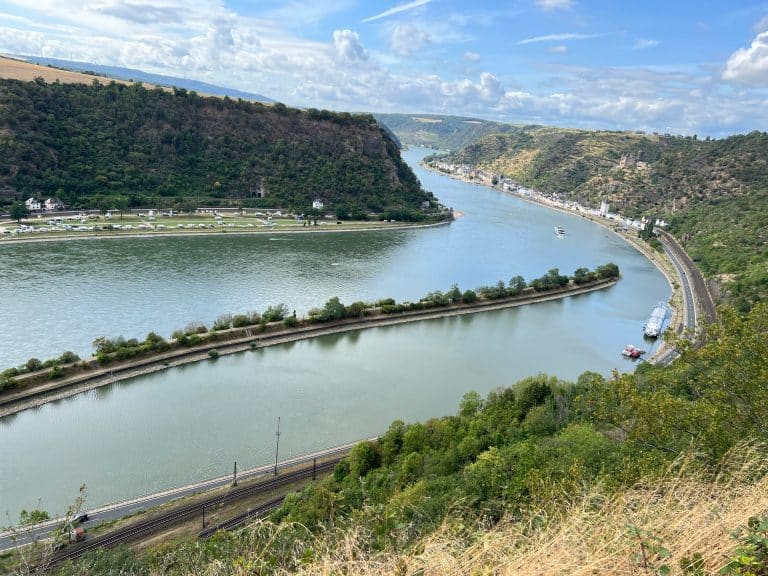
(558, 201)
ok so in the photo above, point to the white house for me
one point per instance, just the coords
(53, 204)
(33, 205)
(317, 204)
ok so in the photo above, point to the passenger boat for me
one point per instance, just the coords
(655, 324)
(559, 231)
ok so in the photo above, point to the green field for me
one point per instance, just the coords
(50, 227)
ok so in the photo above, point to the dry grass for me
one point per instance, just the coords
(687, 513)
(19, 70)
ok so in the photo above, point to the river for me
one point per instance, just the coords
(190, 423)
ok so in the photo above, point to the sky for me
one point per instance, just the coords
(677, 66)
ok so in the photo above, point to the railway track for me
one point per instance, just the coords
(240, 519)
(182, 513)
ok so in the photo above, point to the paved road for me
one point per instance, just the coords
(694, 291)
(119, 510)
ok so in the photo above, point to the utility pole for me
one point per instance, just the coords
(234, 475)
(277, 443)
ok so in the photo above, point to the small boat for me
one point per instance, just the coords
(631, 351)
(655, 324)
(559, 231)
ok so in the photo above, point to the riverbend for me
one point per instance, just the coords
(174, 427)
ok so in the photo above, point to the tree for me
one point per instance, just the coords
(18, 211)
(516, 285)
(121, 204)
(333, 310)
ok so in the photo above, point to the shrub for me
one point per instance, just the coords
(469, 296)
(193, 340)
(516, 285)
(333, 310)
(9, 373)
(437, 297)
(454, 294)
(386, 302)
(33, 364)
(393, 308)
(223, 322)
(290, 321)
(583, 275)
(275, 313)
(242, 320)
(69, 357)
(56, 372)
(195, 328)
(213, 354)
(7, 383)
(357, 309)
(609, 270)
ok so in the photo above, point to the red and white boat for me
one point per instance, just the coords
(631, 351)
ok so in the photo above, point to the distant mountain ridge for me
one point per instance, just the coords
(132, 74)
(439, 131)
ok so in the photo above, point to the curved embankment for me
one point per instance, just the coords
(36, 395)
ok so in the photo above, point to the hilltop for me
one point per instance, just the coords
(134, 75)
(714, 193)
(105, 145)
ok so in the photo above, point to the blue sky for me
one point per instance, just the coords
(676, 66)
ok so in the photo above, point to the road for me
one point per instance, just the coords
(694, 289)
(9, 540)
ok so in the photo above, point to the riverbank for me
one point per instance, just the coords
(658, 259)
(106, 235)
(16, 400)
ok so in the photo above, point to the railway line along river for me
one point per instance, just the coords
(190, 423)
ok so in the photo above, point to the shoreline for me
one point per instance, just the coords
(220, 233)
(38, 395)
(658, 260)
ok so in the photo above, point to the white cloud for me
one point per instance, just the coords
(749, 65)
(348, 46)
(559, 49)
(251, 53)
(407, 38)
(558, 38)
(762, 24)
(549, 5)
(397, 9)
(643, 43)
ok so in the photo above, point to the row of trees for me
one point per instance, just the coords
(108, 350)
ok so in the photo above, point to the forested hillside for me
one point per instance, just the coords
(103, 145)
(714, 193)
(441, 132)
